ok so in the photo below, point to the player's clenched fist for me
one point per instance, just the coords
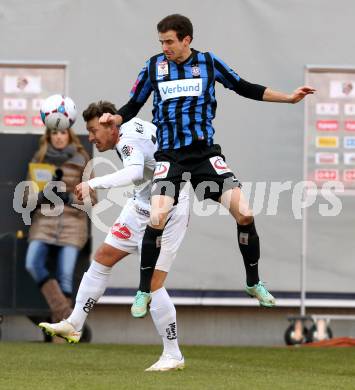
(82, 191)
(109, 119)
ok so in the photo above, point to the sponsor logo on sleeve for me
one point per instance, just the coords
(219, 165)
(349, 142)
(349, 175)
(121, 231)
(349, 109)
(350, 125)
(161, 170)
(327, 109)
(327, 142)
(327, 158)
(180, 88)
(326, 174)
(327, 125)
(126, 151)
(15, 120)
(349, 158)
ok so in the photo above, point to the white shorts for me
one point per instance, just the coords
(128, 230)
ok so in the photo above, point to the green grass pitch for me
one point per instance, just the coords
(89, 366)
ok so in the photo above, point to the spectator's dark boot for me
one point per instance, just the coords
(57, 301)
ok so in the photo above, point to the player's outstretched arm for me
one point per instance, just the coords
(280, 97)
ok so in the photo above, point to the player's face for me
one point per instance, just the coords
(105, 137)
(174, 49)
(59, 139)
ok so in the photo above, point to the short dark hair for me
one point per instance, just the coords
(178, 23)
(95, 110)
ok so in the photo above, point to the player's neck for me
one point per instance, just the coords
(185, 55)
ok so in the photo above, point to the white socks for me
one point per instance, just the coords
(163, 314)
(92, 286)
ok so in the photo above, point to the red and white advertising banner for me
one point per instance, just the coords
(22, 89)
(330, 126)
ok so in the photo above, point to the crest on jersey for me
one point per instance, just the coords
(195, 70)
(163, 68)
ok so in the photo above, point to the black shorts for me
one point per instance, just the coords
(203, 165)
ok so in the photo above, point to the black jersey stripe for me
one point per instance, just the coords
(207, 99)
(178, 111)
(221, 69)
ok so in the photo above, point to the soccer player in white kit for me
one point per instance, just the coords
(135, 143)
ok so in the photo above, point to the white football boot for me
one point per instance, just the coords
(167, 363)
(63, 329)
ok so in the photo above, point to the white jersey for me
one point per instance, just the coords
(137, 146)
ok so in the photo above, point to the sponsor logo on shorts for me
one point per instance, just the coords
(326, 174)
(121, 231)
(179, 88)
(327, 158)
(142, 211)
(161, 170)
(327, 142)
(219, 165)
(327, 125)
(349, 175)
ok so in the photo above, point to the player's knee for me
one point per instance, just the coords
(102, 255)
(245, 219)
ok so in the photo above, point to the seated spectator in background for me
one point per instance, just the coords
(67, 232)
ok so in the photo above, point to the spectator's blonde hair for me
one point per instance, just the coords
(46, 139)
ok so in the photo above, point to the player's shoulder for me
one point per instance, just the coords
(137, 128)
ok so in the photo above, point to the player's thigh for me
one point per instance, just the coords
(127, 232)
(173, 235)
(235, 201)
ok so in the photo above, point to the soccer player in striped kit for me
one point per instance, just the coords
(183, 83)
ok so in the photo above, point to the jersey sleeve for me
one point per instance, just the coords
(130, 152)
(225, 75)
(139, 94)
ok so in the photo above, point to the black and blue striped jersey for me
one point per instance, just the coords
(184, 102)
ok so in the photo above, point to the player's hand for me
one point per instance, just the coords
(109, 119)
(300, 93)
(82, 191)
